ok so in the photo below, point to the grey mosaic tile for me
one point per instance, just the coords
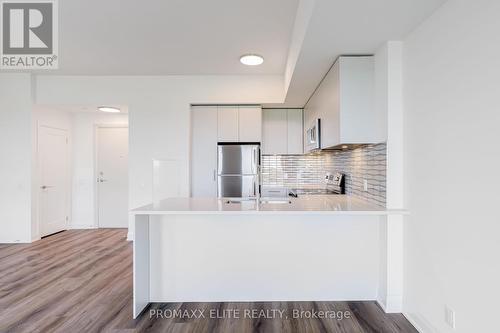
(308, 171)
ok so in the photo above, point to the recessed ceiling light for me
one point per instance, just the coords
(251, 59)
(345, 147)
(108, 109)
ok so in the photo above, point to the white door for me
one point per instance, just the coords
(112, 177)
(54, 176)
(204, 151)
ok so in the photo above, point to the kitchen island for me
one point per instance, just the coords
(320, 247)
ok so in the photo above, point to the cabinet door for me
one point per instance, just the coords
(204, 151)
(324, 104)
(227, 122)
(294, 131)
(250, 123)
(274, 131)
(359, 121)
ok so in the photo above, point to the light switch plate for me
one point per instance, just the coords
(449, 316)
(365, 185)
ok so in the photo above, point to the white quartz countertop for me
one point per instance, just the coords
(309, 204)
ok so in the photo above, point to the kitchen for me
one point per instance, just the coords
(241, 158)
(283, 158)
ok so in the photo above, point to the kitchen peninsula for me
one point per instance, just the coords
(318, 247)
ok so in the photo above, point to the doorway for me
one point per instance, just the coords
(112, 176)
(53, 159)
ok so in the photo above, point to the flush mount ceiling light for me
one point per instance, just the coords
(251, 59)
(111, 109)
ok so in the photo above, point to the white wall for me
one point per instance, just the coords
(83, 163)
(158, 113)
(15, 157)
(44, 116)
(452, 130)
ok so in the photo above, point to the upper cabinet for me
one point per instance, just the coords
(274, 131)
(250, 123)
(239, 123)
(282, 131)
(344, 103)
(227, 124)
(294, 131)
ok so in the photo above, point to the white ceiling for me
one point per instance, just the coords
(341, 27)
(159, 37)
(79, 108)
(192, 37)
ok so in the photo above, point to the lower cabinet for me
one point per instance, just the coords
(282, 131)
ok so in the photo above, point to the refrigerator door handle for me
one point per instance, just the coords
(255, 165)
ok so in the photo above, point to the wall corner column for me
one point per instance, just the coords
(391, 275)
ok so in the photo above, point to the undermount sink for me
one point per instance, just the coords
(239, 201)
(262, 201)
(271, 201)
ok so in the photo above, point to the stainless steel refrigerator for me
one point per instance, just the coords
(238, 167)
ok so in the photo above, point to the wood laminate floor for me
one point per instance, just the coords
(81, 281)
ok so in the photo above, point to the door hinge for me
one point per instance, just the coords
(67, 219)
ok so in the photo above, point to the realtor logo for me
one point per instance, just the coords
(29, 34)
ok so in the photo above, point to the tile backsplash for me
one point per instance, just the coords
(308, 171)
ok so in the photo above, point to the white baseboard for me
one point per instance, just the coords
(393, 304)
(17, 241)
(130, 236)
(81, 226)
(420, 325)
(381, 304)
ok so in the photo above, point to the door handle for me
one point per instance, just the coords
(101, 180)
(256, 160)
(44, 187)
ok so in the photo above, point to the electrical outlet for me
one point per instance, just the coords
(449, 316)
(365, 185)
(328, 177)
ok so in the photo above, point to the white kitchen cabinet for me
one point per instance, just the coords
(239, 124)
(213, 124)
(294, 131)
(344, 101)
(282, 131)
(249, 124)
(227, 123)
(204, 151)
(274, 131)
